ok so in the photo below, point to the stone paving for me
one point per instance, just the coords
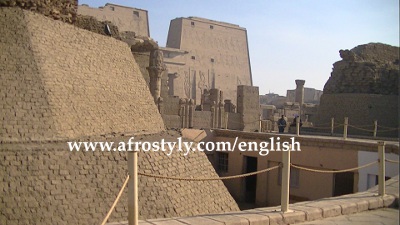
(386, 216)
(346, 208)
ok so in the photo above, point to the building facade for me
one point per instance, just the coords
(127, 19)
(204, 54)
(311, 95)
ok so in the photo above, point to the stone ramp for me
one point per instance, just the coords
(59, 81)
(45, 183)
(300, 212)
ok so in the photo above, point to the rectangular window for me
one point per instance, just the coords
(193, 57)
(212, 60)
(136, 13)
(222, 162)
(294, 177)
(192, 23)
(112, 8)
(211, 27)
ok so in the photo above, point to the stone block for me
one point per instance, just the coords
(253, 218)
(362, 205)
(228, 219)
(164, 222)
(388, 200)
(375, 203)
(349, 208)
(293, 217)
(200, 220)
(331, 210)
(312, 213)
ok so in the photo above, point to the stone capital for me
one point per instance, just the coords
(300, 82)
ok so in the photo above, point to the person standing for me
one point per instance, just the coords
(281, 124)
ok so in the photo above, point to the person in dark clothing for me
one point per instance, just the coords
(281, 124)
(293, 124)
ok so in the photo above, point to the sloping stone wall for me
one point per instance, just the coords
(59, 81)
(62, 82)
(47, 184)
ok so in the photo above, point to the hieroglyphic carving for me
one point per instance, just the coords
(239, 82)
(202, 82)
(186, 84)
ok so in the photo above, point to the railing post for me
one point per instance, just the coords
(346, 124)
(259, 130)
(332, 125)
(375, 127)
(298, 126)
(133, 206)
(285, 181)
(381, 177)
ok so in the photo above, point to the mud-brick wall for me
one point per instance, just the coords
(370, 69)
(64, 10)
(60, 81)
(362, 110)
(49, 185)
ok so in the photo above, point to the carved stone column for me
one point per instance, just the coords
(299, 96)
(187, 113)
(160, 105)
(182, 112)
(221, 114)
(191, 112)
(213, 114)
(156, 69)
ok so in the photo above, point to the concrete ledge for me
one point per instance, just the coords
(300, 212)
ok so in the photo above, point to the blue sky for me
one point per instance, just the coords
(288, 39)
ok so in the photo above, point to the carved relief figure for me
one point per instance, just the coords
(186, 84)
(202, 82)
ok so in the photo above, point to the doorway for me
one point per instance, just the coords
(343, 183)
(251, 181)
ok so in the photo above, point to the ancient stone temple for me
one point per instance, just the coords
(365, 83)
(127, 19)
(205, 54)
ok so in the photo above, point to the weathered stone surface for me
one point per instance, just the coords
(62, 82)
(92, 24)
(371, 68)
(52, 185)
(143, 44)
(64, 10)
(59, 81)
(365, 84)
